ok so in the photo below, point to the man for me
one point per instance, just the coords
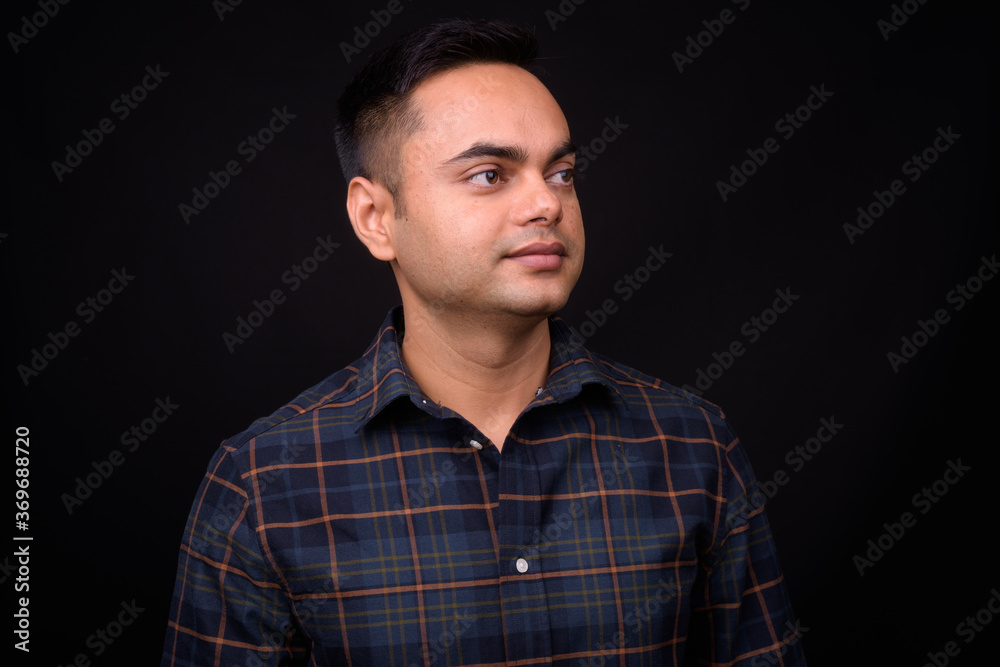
(477, 488)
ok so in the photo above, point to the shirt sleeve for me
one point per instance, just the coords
(229, 607)
(741, 612)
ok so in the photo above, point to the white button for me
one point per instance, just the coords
(475, 444)
(522, 565)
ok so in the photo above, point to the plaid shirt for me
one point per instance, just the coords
(362, 524)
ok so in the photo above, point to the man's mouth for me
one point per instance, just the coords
(540, 255)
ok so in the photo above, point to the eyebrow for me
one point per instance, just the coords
(513, 153)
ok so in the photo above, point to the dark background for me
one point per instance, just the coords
(654, 184)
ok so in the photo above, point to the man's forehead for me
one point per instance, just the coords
(475, 80)
(487, 103)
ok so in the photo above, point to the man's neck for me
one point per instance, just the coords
(485, 370)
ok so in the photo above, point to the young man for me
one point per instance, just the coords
(477, 488)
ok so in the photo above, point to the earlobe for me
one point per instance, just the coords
(370, 208)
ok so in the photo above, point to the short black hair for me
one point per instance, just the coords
(374, 114)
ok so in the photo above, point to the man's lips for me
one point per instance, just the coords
(540, 255)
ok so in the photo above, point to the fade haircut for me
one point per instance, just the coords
(375, 113)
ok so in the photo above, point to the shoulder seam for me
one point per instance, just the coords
(261, 426)
(610, 368)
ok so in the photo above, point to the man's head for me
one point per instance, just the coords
(460, 166)
(375, 113)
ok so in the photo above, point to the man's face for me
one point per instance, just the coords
(492, 224)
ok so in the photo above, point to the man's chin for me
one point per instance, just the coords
(537, 306)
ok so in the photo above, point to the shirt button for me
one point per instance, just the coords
(476, 444)
(522, 565)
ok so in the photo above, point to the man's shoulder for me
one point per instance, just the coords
(332, 402)
(336, 407)
(696, 430)
(654, 395)
(641, 392)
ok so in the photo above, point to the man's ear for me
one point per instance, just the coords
(370, 207)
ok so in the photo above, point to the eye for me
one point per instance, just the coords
(488, 177)
(564, 177)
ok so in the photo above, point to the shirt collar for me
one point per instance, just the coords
(384, 379)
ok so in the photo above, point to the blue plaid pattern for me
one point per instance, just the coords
(362, 524)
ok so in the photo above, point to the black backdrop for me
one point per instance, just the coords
(663, 131)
